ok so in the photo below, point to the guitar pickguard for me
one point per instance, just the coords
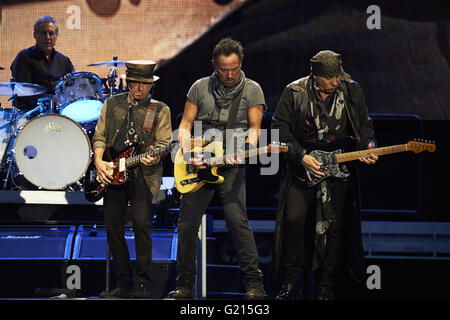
(330, 167)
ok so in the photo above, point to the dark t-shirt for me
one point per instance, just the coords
(31, 66)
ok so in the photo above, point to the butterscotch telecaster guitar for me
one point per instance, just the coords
(189, 179)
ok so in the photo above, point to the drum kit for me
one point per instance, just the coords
(48, 147)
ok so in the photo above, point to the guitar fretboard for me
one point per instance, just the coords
(245, 154)
(355, 155)
(135, 160)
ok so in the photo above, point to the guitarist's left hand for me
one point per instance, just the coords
(237, 160)
(148, 160)
(369, 160)
(239, 157)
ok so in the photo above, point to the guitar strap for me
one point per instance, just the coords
(234, 109)
(150, 117)
(149, 126)
(232, 115)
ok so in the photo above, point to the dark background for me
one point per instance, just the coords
(402, 67)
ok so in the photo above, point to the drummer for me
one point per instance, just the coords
(41, 64)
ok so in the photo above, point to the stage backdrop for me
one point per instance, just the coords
(96, 30)
(397, 50)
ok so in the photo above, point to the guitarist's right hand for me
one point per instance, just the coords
(103, 176)
(312, 166)
(197, 161)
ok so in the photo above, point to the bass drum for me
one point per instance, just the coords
(52, 152)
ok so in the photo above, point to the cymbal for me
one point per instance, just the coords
(112, 63)
(21, 89)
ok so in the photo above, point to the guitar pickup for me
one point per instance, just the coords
(122, 164)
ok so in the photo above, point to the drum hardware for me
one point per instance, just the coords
(9, 152)
(111, 79)
(14, 90)
(46, 104)
(14, 120)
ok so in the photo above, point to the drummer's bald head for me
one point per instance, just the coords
(44, 19)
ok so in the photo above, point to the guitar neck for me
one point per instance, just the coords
(135, 160)
(246, 154)
(355, 155)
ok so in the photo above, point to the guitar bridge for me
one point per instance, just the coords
(190, 169)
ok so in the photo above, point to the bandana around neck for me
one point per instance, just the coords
(224, 97)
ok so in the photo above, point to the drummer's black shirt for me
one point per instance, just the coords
(31, 66)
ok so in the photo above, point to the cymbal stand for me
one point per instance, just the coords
(112, 76)
(14, 120)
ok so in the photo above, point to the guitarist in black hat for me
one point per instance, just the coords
(131, 119)
(320, 108)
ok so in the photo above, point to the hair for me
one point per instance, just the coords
(44, 19)
(226, 47)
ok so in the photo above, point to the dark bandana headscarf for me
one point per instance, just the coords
(328, 64)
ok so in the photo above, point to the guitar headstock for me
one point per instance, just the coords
(277, 147)
(420, 145)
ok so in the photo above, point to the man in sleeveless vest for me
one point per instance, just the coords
(321, 107)
(132, 119)
(209, 103)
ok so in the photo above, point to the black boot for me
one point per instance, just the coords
(140, 291)
(289, 291)
(117, 293)
(180, 293)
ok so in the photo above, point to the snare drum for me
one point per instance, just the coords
(79, 96)
(52, 151)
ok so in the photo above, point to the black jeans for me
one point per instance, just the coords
(193, 206)
(115, 205)
(299, 203)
